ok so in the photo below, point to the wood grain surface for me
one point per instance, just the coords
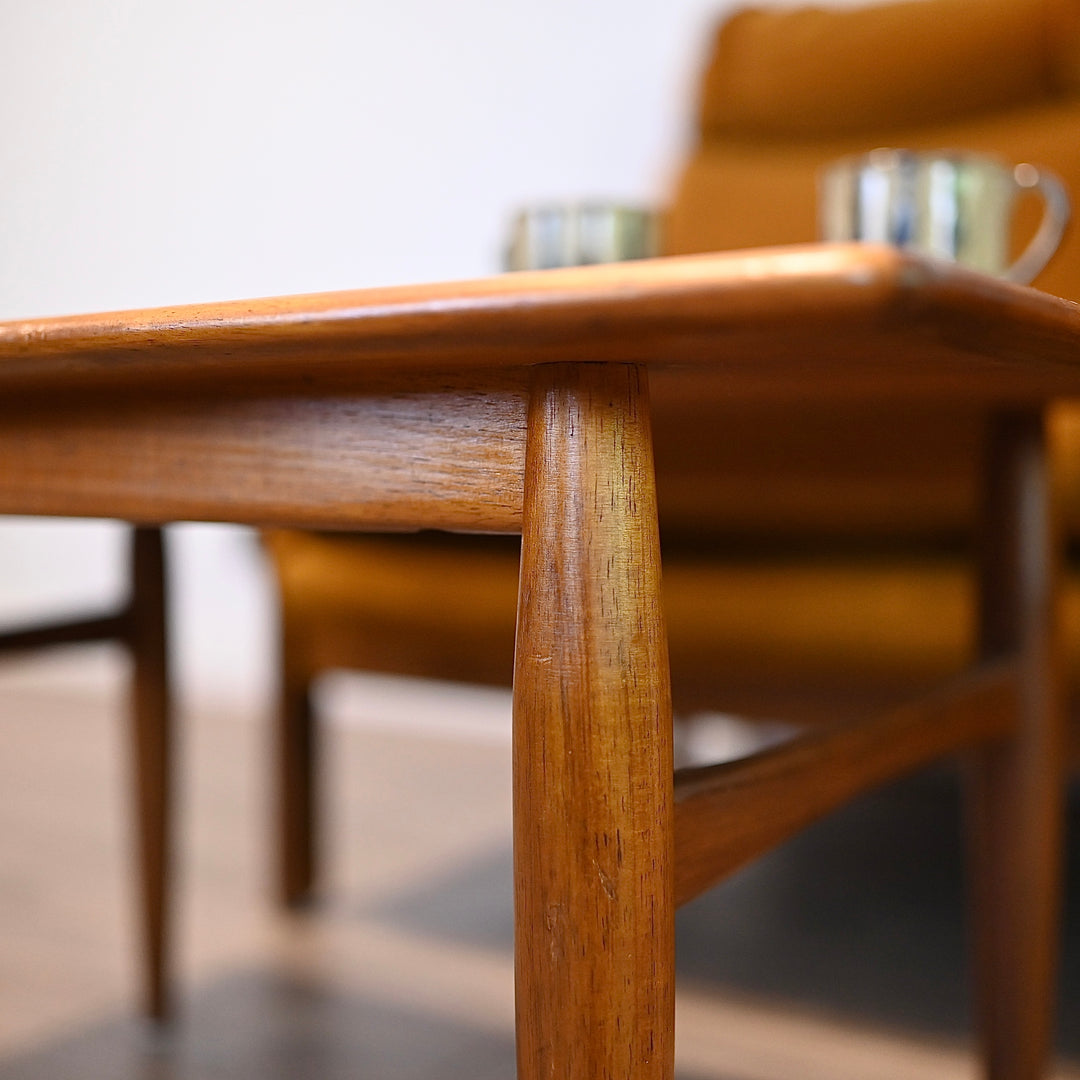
(443, 455)
(594, 913)
(726, 815)
(404, 407)
(1017, 785)
(764, 321)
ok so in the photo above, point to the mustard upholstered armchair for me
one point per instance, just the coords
(836, 576)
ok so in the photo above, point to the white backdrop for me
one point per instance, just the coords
(158, 152)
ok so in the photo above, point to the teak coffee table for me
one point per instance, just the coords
(521, 404)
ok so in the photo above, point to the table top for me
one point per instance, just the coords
(406, 407)
(860, 319)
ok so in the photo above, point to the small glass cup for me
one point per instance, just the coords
(949, 204)
(580, 234)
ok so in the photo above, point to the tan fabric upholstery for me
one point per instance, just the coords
(815, 72)
(794, 637)
(789, 91)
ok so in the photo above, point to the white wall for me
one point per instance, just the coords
(158, 152)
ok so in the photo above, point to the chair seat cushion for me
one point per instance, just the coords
(747, 633)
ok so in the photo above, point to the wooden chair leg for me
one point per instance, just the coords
(297, 795)
(1016, 787)
(151, 736)
(593, 838)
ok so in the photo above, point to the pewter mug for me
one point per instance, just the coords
(952, 205)
(580, 234)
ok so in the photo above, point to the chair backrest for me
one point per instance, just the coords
(785, 92)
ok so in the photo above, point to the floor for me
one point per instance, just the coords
(840, 956)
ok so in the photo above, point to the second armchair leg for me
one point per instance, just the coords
(147, 638)
(296, 809)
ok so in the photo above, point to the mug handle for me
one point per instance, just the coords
(1052, 227)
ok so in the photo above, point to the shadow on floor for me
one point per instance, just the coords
(862, 916)
(258, 1025)
(262, 1026)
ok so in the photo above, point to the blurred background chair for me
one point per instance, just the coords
(817, 562)
(140, 627)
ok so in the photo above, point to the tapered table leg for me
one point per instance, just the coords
(1016, 785)
(297, 806)
(151, 730)
(594, 908)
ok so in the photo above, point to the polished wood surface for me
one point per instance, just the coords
(388, 408)
(728, 814)
(594, 913)
(1016, 796)
(855, 318)
(292, 452)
